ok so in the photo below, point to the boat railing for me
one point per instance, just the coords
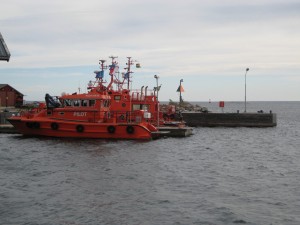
(129, 116)
(30, 113)
(138, 95)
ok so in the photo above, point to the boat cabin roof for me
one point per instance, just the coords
(85, 96)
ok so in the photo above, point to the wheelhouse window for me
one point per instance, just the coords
(117, 97)
(106, 103)
(79, 102)
(67, 102)
(92, 102)
(140, 107)
(84, 103)
(76, 102)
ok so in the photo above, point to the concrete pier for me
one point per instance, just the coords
(176, 131)
(196, 119)
(4, 116)
(5, 126)
(8, 129)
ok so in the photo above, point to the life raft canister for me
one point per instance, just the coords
(111, 129)
(80, 128)
(130, 129)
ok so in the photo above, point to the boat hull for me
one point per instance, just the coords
(71, 129)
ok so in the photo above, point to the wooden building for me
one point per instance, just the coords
(10, 97)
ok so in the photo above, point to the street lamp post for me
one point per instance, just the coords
(246, 89)
(157, 90)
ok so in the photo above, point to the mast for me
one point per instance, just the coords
(99, 75)
(113, 59)
(112, 70)
(102, 61)
(127, 75)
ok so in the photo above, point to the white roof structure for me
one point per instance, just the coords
(4, 52)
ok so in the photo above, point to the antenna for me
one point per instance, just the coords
(113, 58)
(129, 63)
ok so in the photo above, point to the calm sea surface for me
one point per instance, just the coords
(216, 176)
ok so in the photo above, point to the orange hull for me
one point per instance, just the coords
(71, 129)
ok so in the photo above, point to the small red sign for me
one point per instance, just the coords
(221, 104)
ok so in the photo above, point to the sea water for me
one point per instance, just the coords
(216, 176)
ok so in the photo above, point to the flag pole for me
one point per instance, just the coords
(180, 96)
(157, 89)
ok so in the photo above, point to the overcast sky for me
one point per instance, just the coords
(56, 45)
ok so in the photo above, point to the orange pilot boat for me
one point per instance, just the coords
(94, 114)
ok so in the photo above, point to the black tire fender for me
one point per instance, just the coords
(54, 126)
(111, 129)
(29, 124)
(36, 125)
(80, 128)
(130, 129)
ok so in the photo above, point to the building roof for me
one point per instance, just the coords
(3, 85)
(4, 52)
